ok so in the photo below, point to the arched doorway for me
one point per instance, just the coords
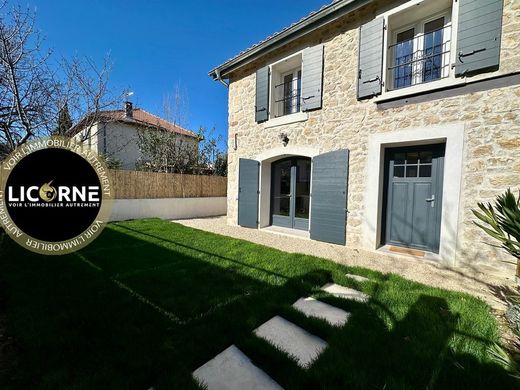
(290, 192)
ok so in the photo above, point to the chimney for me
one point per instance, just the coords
(129, 109)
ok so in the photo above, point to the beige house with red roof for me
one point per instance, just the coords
(114, 133)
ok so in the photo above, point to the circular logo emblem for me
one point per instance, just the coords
(56, 196)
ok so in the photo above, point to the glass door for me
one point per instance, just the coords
(290, 193)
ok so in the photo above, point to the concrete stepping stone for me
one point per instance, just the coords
(357, 278)
(345, 292)
(313, 308)
(297, 342)
(233, 370)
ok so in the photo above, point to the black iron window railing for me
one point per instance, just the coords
(417, 59)
(288, 94)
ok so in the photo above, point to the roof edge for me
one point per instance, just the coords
(315, 20)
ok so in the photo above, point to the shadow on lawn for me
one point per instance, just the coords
(107, 338)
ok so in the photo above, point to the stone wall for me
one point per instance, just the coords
(491, 119)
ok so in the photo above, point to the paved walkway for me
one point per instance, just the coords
(233, 370)
(420, 270)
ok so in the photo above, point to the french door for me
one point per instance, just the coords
(290, 192)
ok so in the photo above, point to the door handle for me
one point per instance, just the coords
(431, 200)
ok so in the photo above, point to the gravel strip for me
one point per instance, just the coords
(420, 270)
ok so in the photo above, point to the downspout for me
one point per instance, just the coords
(217, 75)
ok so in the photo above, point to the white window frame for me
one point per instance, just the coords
(418, 41)
(451, 57)
(276, 77)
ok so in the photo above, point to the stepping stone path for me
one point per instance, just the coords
(297, 342)
(314, 308)
(357, 278)
(345, 292)
(233, 370)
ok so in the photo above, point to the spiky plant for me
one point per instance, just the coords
(502, 221)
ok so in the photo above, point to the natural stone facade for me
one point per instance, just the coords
(491, 120)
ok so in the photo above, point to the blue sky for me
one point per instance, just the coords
(156, 45)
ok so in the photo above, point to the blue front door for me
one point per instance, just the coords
(414, 196)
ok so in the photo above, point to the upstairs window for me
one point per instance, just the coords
(286, 81)
(420, 52)
(290, 86)
(414, 43)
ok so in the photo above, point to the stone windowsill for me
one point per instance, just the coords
(287, 119)
(420, 89)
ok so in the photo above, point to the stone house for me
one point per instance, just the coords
(114, 133)
(379, 125)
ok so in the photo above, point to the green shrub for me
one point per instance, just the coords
(502, 221)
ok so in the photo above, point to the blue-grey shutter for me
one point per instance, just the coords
(370, 72)
(262, 94)
(312, 78)
(248, 192)
(329, 196)
(478, 36)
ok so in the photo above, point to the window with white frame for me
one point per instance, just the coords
(418, 51)
(413, 47)
(286, 80)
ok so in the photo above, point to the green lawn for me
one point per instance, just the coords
(150, 301)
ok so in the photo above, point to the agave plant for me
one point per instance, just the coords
(502, 221)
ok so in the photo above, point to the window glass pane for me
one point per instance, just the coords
(433, 48)
(411, 171)
(405, 36)
(412, 157)
(436, 24)
(425, 157)
(399, 171)
(298, 90)
(303, 186)
(399, 158)
(403, 55)
(281, 206)
(425, 171)
(281, 187)
(287, 94)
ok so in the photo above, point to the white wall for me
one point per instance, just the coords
(121, 143)
(91, 140)
(168, 208)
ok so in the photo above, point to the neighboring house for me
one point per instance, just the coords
(379, 125)
(114, 133)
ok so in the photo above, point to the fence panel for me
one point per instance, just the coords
(152, 185)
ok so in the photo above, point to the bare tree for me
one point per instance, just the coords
(169, 151)
(27, 85)
(166, 151)
(86, 93)
(176, 106)
(209, 150)
(35, 92)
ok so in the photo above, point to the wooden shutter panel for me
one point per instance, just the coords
(312, 78)
(248, 171)
(262, 94)
(478, 36)
(370, 72)
(329, 196)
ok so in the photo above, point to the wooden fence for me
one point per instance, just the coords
(151, 185)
